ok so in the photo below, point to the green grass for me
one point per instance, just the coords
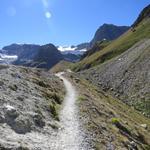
(48, 95)
(115, 120)
(117, 47)
(119, 125)
(81, 98)
(54, 111)
(143, 106)
(97, 47)
(125, 121)
(147, 147)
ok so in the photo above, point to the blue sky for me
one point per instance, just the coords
(62, 22)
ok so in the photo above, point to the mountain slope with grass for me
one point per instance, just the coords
(61, 66)
(96, 47)
(117, 47)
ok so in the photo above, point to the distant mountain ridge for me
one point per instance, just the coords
(22, 50)
(34, 55)
(43, 56)
(25, 52)
(47, 56)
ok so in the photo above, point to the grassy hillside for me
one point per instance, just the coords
(61, 66)
(117, 47)
(97, 47)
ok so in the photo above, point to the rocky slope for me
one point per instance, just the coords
(126, 77)
(29, 103)
(111, 124)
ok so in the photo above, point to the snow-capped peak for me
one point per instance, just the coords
(66, 48)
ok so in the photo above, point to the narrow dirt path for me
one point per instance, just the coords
(70, 136)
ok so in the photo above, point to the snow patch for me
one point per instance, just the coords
(66, 48)
(4, 56)
(7, 59)
(71, 50)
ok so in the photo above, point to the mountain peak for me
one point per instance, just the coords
(143, 15)
(111, 25)
(107, 24)
(108, 32)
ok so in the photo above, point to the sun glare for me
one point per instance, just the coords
(48, 15)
